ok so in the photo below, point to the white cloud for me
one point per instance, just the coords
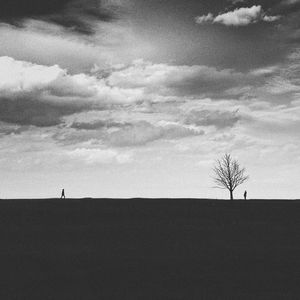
(270, 18)
(52, 82)
(265, 71)
(47, 93)
(205, 18)
(239, 17)
(19, 76)
(100, 156)
(136, 82)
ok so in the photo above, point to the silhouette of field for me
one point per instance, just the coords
(149, 249)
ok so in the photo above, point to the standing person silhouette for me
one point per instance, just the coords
(245, 195)
(63, 194)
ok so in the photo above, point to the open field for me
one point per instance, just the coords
(149, 249)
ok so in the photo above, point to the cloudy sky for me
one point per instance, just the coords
(123, 98)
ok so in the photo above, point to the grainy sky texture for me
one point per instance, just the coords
(139, 98)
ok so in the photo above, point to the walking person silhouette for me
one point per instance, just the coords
(63, 194)
(245, 195)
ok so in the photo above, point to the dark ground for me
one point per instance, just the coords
(149, 249)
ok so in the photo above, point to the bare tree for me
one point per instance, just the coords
(228, 174)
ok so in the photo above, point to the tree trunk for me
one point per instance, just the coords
(231, 194)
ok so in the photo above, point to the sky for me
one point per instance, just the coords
(137, 98)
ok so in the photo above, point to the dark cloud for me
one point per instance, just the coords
(178, 80)
(289, 29)
(287, 6)
(142, 133)
(219, 119)
(133, 134)
(30, 112)
(76, 15)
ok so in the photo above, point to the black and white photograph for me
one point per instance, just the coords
(149, 149)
